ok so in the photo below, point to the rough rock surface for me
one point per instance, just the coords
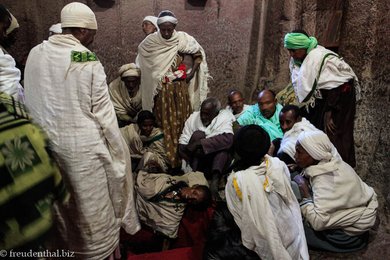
(243, 41)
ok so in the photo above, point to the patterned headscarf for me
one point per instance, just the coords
(299, 41)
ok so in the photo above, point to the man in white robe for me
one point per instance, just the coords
(206, 139)
(260, 198)
(292, 124)
(340, 208)
(236, 103)
(67, 94)
(9, 75)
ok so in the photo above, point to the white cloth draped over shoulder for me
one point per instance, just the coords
(222, 123)
(334, 72)
(123, 103)
(10, 76)
(239, 114)
(155, 57)
(290, 137)
(265, 209)
(70, 101)
(341, 200)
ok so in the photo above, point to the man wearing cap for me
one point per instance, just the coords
(67, 94)
(125, 94)
(10, 75)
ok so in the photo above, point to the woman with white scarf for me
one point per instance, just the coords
(340, 208)
(171, 86)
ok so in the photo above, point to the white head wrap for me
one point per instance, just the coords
(129, 70)
(167, 18)
(317, 144)
(14, 24)
(56, 28)
(152, 19)
(78, 15)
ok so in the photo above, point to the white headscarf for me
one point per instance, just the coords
(167, 18)
(129, 70)
(56, 28)
(152, 19)
(78, 15)
(317, 144)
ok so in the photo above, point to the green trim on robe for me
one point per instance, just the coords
(78, 56)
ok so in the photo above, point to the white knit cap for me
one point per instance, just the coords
(317, 145)
(14, 24)
(152, 19)
(56, 28)
(129, 70)
(78, 15)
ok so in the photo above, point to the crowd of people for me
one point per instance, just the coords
(91, 159)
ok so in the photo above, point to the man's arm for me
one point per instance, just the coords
(217, 143)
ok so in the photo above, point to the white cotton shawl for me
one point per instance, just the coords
(155, 57)
(334, 73)
(239, 114)
(123, 103)
(70, 101)
(10, 76)
(222, 123)
(341, 200)
(290, 137)
(267, 213)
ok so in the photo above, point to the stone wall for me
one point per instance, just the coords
(243, 43)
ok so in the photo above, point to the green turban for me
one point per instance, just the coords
(299, 41)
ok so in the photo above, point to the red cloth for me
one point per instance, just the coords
(188, 245)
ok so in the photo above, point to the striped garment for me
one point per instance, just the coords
(29, 180)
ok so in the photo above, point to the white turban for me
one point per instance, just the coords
(78, 15)
(129, 70)
(56, 28)
(317, 144)
(152, 19)
(167, 18)
(14, 24)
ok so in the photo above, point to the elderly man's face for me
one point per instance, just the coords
(236, 102)
(303, 158)
(132, 84)
(287, 120)
(166, 30)
(207, 114)
(267, 104)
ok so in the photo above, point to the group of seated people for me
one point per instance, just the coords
(281, 179)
